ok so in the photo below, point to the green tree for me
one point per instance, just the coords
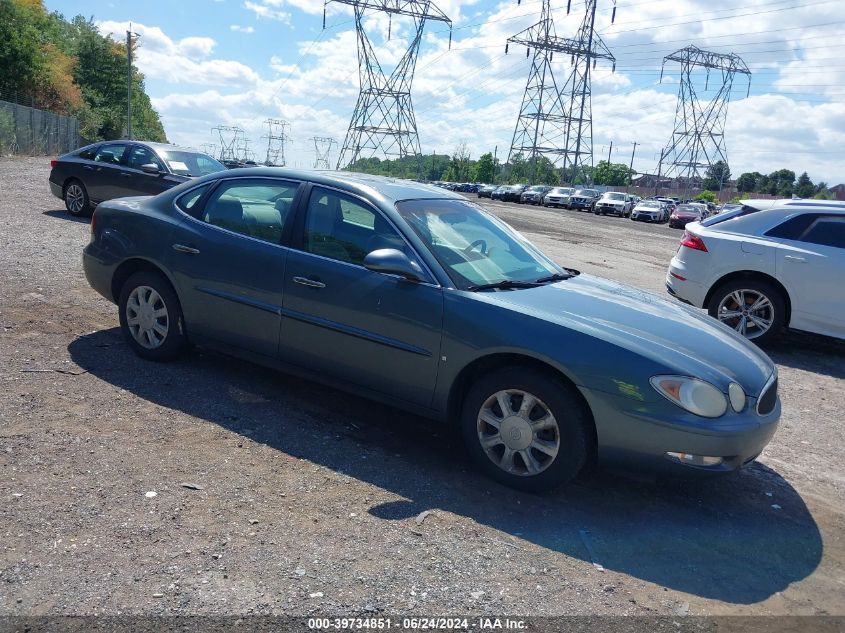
(613, 174)
(748, 181)
(707, 196)
(804, 188)
(483, 168)
(781, 183)
(717, 176)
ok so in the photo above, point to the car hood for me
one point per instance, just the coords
(684, 340)
(617, 202)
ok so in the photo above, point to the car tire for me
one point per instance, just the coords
(564, 446)
(151, 333)
(722, 300)
(76, 198)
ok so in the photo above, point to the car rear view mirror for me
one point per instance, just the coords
(393, 262)
(150, 168)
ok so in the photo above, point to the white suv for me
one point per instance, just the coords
(767, 265)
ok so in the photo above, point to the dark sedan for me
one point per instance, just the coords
(486, 191)
(418, 297)
(114, 169)
(583, 199)
(512, 193)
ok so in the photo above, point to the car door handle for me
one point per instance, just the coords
(311, 283)
(181, 248)
(797, 260)
(125, 175)
(88, 167)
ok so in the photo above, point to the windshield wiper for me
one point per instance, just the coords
(504, 284)
(555, 277)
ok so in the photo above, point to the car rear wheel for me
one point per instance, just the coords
(151, 317)
(755, 309)
(526, 429)
(76, 198)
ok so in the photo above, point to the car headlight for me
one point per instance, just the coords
(692, 394)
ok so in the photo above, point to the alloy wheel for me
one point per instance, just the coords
(147, 317)
(518, 432)
(749, 312)
(75, 198)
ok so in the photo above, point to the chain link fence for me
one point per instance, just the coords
(29, 131)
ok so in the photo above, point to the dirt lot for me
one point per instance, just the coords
(278, 496)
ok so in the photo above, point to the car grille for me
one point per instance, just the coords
(768, 399)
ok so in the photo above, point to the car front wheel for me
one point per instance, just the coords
(76, 198)
(151, 317)
(526, 429)
(755, 309)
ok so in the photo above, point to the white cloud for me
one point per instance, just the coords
(267, 12)
(474, 91)
(242, 29)
(184, 61)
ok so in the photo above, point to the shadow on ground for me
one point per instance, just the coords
(810, 352)
(720, 539)
(61, 214)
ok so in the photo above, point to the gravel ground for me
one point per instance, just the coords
(210, 486)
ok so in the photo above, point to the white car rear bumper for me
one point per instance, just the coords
(679, 285)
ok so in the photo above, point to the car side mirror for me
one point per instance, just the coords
(150, 168)
(393, 262)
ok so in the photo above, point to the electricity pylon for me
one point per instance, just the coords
(276, 139)
(555, 120)
(231, 137)
(209, 148)
(322, 151)
(698, 140)
(383, 120)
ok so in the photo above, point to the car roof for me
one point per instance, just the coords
(366, 184)
(758, 221)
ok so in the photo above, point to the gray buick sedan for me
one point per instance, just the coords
(417, 297)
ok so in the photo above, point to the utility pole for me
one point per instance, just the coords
(555, 119)
(610, 152)
(276, 139)
(383, 120)
(129, 42)
(495, 162)
(322, 151)
(659, 168)
(698, 140)
(631, 168)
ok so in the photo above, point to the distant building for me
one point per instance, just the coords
(838, 191)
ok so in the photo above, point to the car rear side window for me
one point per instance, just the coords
(827, 231)
(188, 202)
(794, 227)
(256, 208)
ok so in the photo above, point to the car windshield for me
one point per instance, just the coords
(729, 215)
(190, 163)
(537, 188)
(474, 247)
(562, 190)
(614, 196)
(585, 192)
(686, 208)
(650, 205)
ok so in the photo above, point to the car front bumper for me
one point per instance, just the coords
(643, 435)
(609, 208)
(580, 204)
(648, 217)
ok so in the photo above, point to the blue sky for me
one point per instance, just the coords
(238, 62)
